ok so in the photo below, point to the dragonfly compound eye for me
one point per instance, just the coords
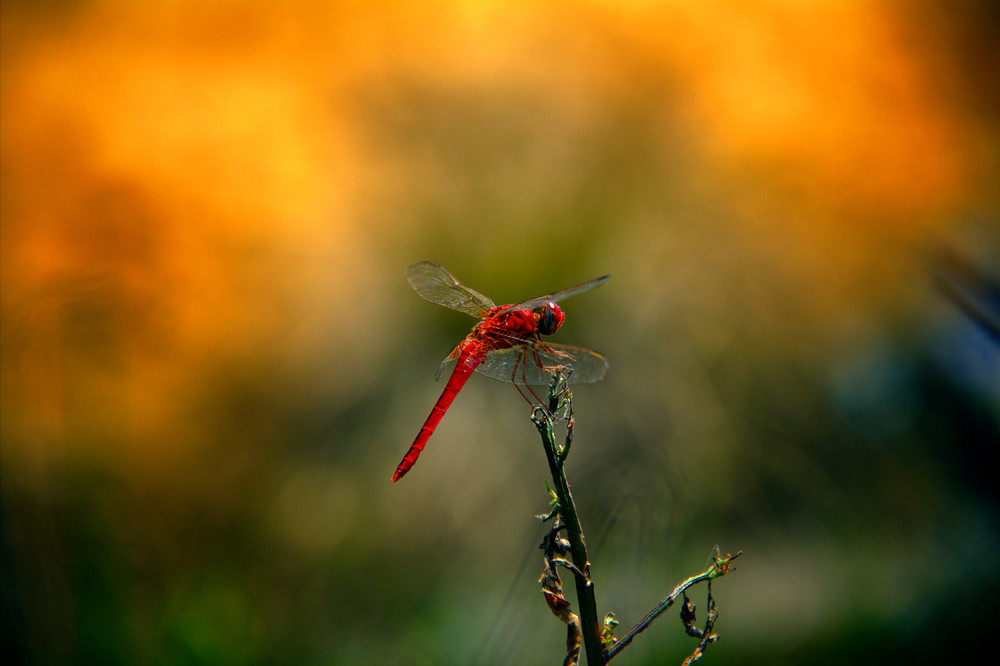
(550, 318)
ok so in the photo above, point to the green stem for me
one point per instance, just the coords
(574, 533)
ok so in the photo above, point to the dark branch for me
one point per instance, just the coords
(556, 456)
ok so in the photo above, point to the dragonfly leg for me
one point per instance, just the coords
(524, 377)
(533, 395)
(513, 380)
(553, 370)
(520, 368)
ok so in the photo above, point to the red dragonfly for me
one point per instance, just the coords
(506, 344)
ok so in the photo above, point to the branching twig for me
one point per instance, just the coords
(720, 567)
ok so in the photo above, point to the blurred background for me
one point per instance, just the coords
(212, 362)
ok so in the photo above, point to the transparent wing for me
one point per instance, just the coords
(533, 365)
(560, 295)
(437, 285)
(448, 361)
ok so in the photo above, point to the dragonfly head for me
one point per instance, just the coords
(550, 318)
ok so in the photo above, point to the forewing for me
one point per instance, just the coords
(437, 285)
(560, 295)
(534, 365)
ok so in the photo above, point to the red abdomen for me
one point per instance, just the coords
(467, 364)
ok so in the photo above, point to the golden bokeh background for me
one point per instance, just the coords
(211, 360)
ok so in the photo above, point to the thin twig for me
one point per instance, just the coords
(720, 567)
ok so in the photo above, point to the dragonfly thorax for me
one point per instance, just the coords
(507, 324)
